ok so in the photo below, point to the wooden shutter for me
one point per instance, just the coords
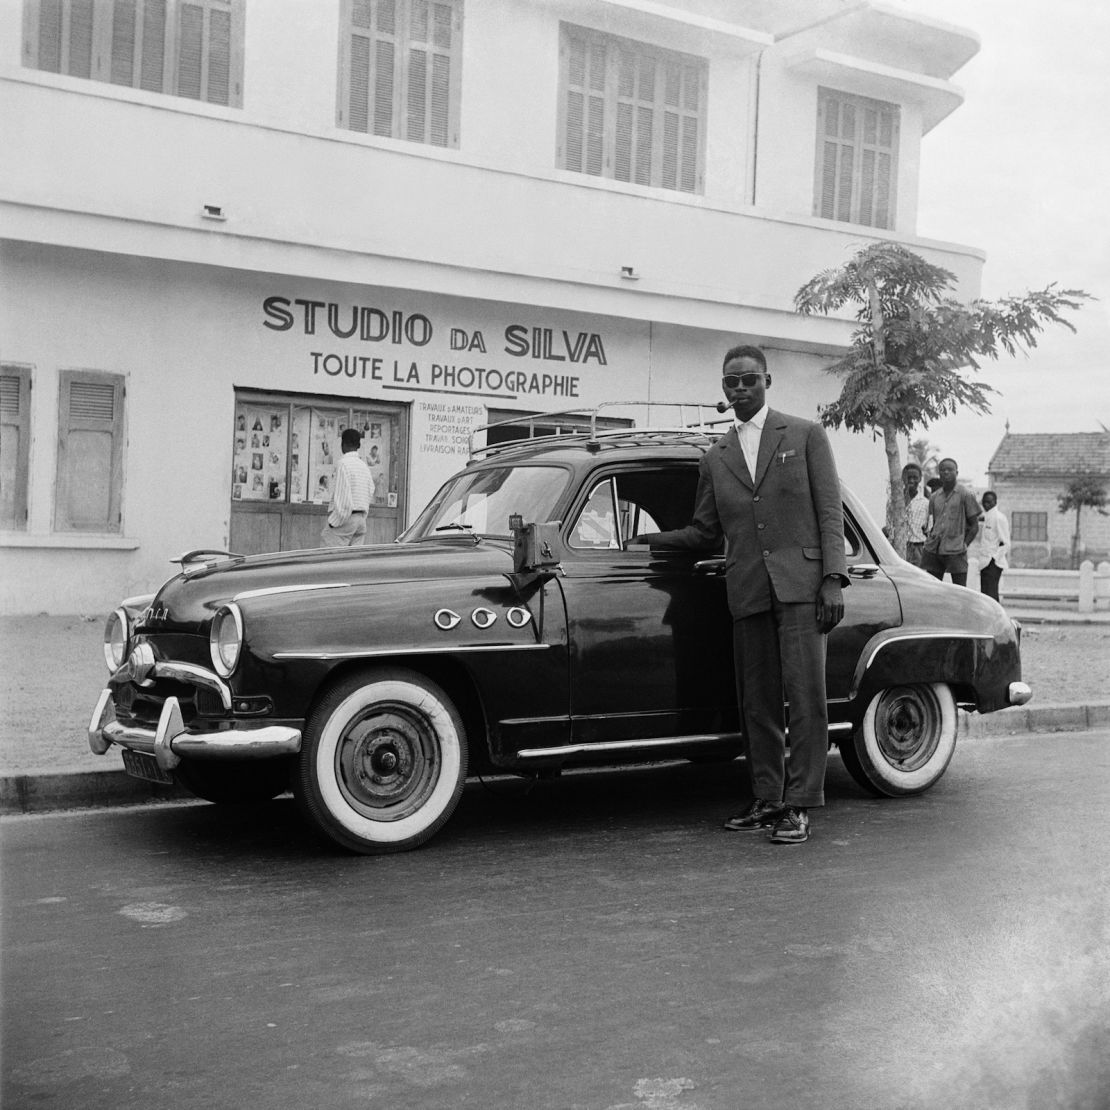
(138, 44)
(431, 67)
(60, 37)
(15, 445)
(857, 142)
(206, 51)
(630, 111)
(190, 48)
(585, 66)
(401, 69)
(90, 452)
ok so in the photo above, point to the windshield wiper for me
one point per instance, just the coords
(455, 526)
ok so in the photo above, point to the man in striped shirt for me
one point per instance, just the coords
(351, 496)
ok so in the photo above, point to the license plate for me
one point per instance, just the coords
(143, 766)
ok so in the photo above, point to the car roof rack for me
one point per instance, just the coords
(582, 428)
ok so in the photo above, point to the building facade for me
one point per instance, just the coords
(230, 228)
(1029, 472)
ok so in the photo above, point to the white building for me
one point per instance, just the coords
(228, 228)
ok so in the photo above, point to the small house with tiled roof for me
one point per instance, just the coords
(1029, 472)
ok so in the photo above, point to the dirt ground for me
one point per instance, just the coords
(52, 670)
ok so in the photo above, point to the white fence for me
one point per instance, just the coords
(1087, 588)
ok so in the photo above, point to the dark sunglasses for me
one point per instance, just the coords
(731, 381)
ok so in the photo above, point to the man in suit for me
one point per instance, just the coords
(769, 488)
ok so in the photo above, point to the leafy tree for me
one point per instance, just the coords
(1087, 491)
(912, 344)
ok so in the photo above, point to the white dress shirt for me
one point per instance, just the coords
(750, 433)
(994, 539)
(354, 489)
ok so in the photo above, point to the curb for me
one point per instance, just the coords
(40, 792)
(45, 791)
(1035, 718)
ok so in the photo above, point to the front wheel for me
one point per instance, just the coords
(906, 740)
(383, 761)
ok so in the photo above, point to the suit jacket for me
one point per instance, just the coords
(783, 526)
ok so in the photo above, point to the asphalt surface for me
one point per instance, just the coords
(597, 943)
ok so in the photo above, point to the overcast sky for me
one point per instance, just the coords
(1022, 170)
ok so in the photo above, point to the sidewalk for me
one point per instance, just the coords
(52, 670)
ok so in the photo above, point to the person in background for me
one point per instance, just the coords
(352, 492)
(993, 545)
(954, 523)
(917, 512)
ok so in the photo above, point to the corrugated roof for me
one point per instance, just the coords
(1055, 453)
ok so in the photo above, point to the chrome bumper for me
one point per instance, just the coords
(171, 740)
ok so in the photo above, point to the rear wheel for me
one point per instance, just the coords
(234, 782)
(906, 740)
(383, 761)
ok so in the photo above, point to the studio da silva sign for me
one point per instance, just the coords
(522, 359)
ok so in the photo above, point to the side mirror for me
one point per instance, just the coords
(535, 546)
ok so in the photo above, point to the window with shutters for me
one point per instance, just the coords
(1029, 527)
(187, 48)
(15, 445)
(90, 452)
(631, 112)
(401, 67)
(857, 159)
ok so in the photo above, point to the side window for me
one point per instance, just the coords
(853, 544)
(15, 440)
(401, 66)
(596, 526)
(90, 452)
(187, 48)
(629, 502)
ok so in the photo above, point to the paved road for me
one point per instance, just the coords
(596, 943)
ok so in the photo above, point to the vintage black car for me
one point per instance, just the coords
(512, 629)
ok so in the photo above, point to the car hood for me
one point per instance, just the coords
(190, 598)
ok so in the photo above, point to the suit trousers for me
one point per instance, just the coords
(777, 651)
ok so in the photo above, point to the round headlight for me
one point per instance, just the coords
(117, 640)
(226, 639)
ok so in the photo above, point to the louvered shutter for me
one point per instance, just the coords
(138, 44)
(630, 112)
(857, 143)
(15, 436)
(90, 451)
(63, 37)
(204, 51)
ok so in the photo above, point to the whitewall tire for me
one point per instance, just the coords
(905, 741)
(383, 761)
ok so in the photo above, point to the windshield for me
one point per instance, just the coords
(480, 502)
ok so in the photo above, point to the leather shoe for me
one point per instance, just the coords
(792, 827)
(759, 815)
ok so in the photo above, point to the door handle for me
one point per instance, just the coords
(863, 570)
(712, 567)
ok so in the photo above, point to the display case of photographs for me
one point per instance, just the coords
(287, 452)
(260, 457)
(378, 443)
